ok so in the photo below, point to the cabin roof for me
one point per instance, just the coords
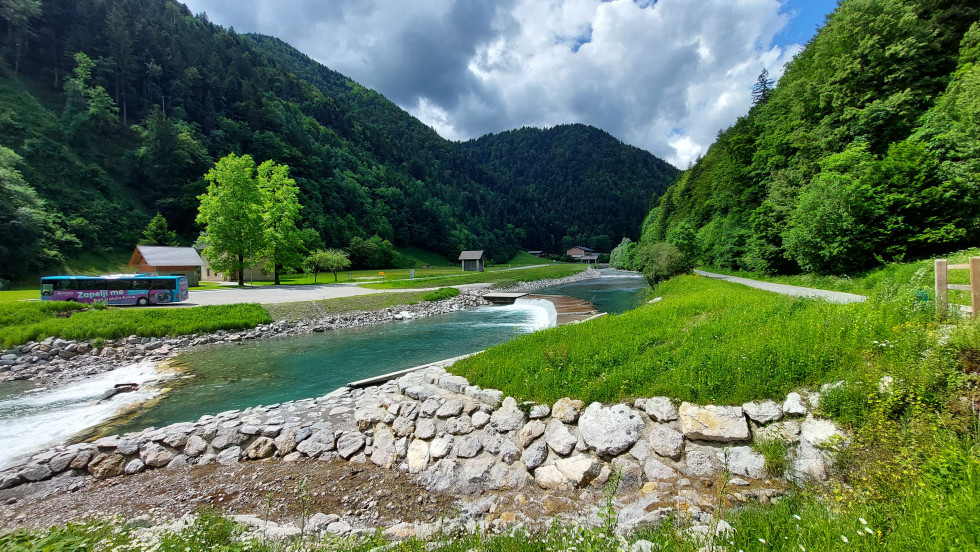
(155, 255)
(471, 255)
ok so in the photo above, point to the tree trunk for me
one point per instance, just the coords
(335, 276)
(275, 274)
(241, 270)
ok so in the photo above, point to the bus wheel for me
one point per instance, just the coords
(142, 301)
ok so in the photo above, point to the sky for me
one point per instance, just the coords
(662, 75)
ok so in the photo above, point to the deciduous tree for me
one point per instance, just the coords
(283, 240)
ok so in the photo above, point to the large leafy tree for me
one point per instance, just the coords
(233, 215)
(283, 240)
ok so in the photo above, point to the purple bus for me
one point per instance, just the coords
(123, 289)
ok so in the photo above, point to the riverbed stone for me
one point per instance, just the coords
(418, 456)
(384, 453)
(763, 412)
(134, 466)
(793, 406)
(349, 444)
(107, 464)
(403, 426)
(36, 472)
(425, 428)
(508, 417)
(468, 447)
(713, 423)
(155, 455)
(559, 438)
(580, 470)
(195, 446)
(459, 426)
(227, 437)
(319, 442)
(745, 462)
(660, 409)
(480, 419)
(449, 409)
(655, 470)
(666, 441)
(531, 431)
(229, 456)
(567, 410)
(365, 418)
(263, 447)
(535, 454)
(610, 431)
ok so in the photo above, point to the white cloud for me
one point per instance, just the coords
(664, 76)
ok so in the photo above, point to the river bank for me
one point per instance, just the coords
(54, 361)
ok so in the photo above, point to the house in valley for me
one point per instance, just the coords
(168, 261)
(472, 261)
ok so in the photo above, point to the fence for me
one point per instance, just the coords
(943, 286)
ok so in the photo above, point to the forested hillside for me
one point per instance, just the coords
(113, 110)
(865, 152)
(571, 184)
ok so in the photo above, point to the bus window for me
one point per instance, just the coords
(47, 289)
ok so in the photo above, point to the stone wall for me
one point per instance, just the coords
(456, 437)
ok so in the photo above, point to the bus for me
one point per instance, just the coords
(115, 289)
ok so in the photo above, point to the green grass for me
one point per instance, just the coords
(440, 294)
(500, 277)
(424, 257)
(22, 322)
(20, 295)
(707, 341)
(315, 309)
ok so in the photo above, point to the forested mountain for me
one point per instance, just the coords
(571, 184)
(113, 110)
(865, 152)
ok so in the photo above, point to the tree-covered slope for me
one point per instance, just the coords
(570, 184)
(109, 138)
(865, 152)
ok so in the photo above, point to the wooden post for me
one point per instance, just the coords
(975, 285)
(942, 292)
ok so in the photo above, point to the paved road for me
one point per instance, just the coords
(273, 294)
(796, 291)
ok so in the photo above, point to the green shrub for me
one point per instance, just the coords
(440, 294)
(662, 261)
(774, 451)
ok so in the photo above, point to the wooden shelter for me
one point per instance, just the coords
(579, 251)
(168, 261)
(472, 260)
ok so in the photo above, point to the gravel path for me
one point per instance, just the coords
(795, 291)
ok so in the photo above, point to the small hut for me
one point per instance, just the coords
(472, 260)
(579, 251)
(168, 261)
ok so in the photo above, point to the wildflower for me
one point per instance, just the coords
(869, 531)
(803, 549)
(843, 538)
(763, 541)
(798, 518)
(862, 520)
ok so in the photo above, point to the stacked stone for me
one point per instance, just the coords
(456, 437)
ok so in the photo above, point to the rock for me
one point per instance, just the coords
(666, 441)
(10, 480)
(339, 528)
(134, 466)
(384, 453)
(551, 478)
(459, 426)
(509, 452)
(764, 412)
(195, 446)
(504, 477)
(808, 463)
(441, 476)
(567, 410)
(107, 464)
(60, 463)
(425, 428)
(655, 470)
(508, 417)
(480, 419)
(349, 444)
(580, 470)
(175, 440)
(441, 446)
(630, 472)
(228, 437)
(450, 409)
(660, 409)
(319, 442)
(418, 456)
(155, 455)
(468, 447)
(539, 411)
(37, 472)
(263, 447)
(787, 431)
(531, 431)
(794, 405)
(456, 384)
(747, 462)
(610, 431)
(535, 455)
(127, 448)
(82, 459)
(319, 521)
(230, 455)
(179, 462)
(400, 531)
(474, 474)
(713, 423)
(819, 432)
(559, 438)
(701, 463)
(403, 426)
(365, 418)
(429, 407)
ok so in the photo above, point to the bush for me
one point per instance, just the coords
(662, 261)
(440, 294)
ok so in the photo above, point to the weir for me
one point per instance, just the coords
(562, 309)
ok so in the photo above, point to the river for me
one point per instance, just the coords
(213, 379)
